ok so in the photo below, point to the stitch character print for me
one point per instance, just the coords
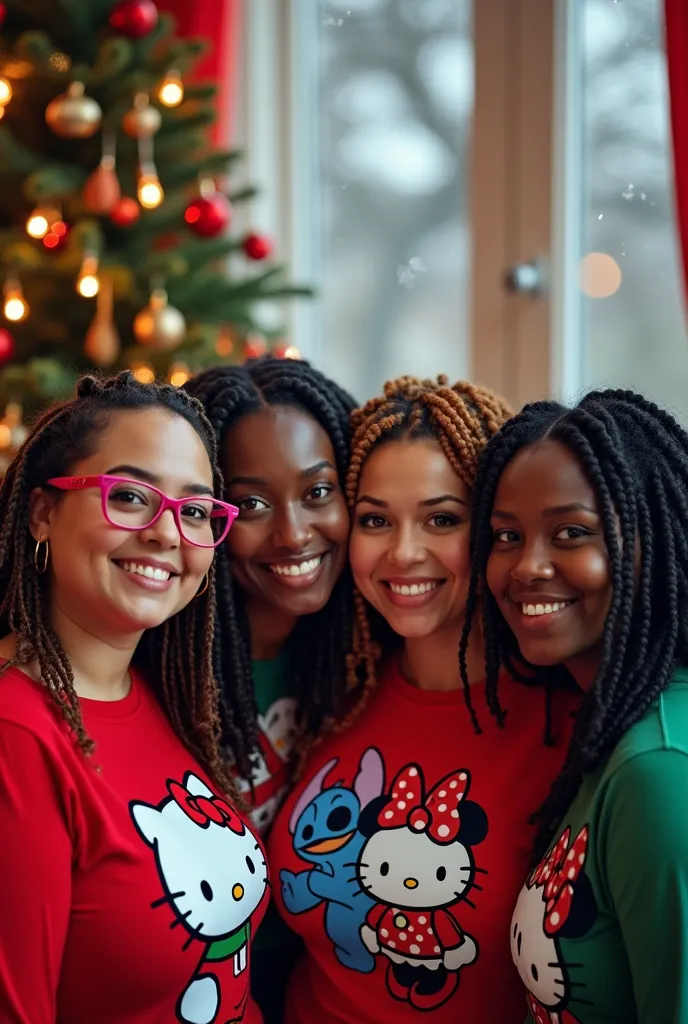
(324, 827)
(418, 866)
(213, 875)
(557, 902)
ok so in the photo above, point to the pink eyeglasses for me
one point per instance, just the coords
(131, 505)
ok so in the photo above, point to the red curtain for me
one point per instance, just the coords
(677, 54)
(218, 21)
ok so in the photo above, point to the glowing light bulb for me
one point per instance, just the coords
(87, 283)
(5, 92)
(37, 225)
(171, 91)
(88, 286)
(143, 373)
(5, 436)
(150, 191)
(292, 352)
(16, 307)
(179, 374)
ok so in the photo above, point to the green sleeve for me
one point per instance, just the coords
(644, 850)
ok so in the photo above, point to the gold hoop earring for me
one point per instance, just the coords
(41, 564)
(204, 588)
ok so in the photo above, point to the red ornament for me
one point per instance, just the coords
(257, 247)
(56, 237)
(125, 213)
(255, 346)
(134, 18)
(6, 345)
(208, 216)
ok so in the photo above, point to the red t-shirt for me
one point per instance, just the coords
(128, 894)
(401, 854)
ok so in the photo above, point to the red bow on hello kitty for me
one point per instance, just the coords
(558, 873)
(204, 810)
(437, 813)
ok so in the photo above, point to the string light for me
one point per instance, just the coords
(292, 352)
(179, 374)
(38, 223)
(5, 92)
(171, 92)
(150, 191)
(87, 283)
(143, 373)
(56, 234)
(16, 307)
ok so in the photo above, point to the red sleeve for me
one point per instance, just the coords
(448, 930)
(375, 915)
(35, 879)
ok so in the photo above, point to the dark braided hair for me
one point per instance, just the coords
(461, 418)
(636, 457)
(320, 642)
(177, 655)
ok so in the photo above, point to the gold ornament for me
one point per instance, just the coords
(72, 115)
(102, 341)
(143, 120)
(159, 326)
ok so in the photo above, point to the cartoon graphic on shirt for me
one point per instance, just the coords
(417, 864)
(557, 902)
(324, 829)
(213, 876)
(276, 734)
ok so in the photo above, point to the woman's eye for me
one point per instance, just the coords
(444, 519)
(196, 512)
(319, 491)
(372, 521)
(127, 497)
(505, 537)
(571, 533)
(251, 505)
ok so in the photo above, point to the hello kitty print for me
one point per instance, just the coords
(405, 856)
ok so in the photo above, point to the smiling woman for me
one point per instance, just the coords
(400, 872)
(580, 566)
(116, 799)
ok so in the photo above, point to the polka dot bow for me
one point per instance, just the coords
(558, 873)
(437, 814)
(204, 810)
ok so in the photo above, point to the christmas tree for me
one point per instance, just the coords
(114, 215)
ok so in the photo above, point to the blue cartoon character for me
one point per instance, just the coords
(213, 875)
(324, 829)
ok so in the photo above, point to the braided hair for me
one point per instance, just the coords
(321, 641)
(461, 418)
(177, 655)
(636, 457)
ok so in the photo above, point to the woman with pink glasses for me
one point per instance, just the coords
(130, 884)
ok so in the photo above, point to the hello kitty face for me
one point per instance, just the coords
(534, 952)
(408, 869)
(211, 866)
(279, 725)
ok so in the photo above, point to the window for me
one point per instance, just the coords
(632, 319)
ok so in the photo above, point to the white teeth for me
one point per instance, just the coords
(149, 571)
(299, 569)
(544, 609)
(413, 589)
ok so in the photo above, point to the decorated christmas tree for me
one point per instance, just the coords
(115, 208)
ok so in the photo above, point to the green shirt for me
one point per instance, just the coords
(600, 930)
